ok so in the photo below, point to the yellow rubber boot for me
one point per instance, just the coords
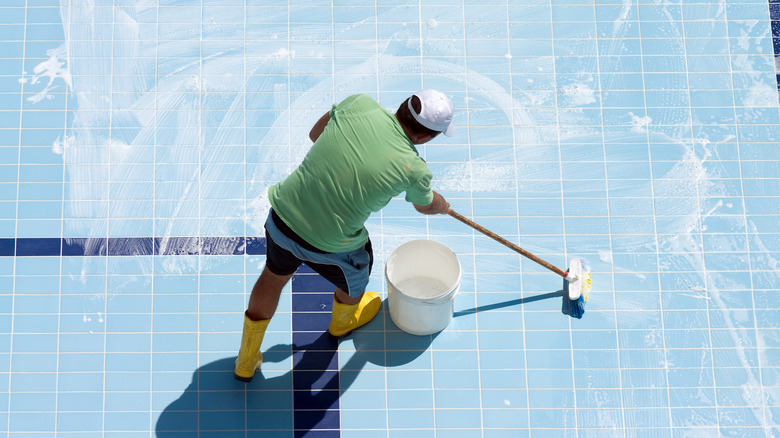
(346, 317)
(249, 356)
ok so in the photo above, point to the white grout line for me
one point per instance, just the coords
(62, 240)
(657, 245)
(108, 222)
(609, 225)
(154, 215)
(563, 210)
(705, 277)
(16, 231)
(467, 124)
(512, 123)
(384, 311)
(199, 174)
(246, 287)
(760, 367)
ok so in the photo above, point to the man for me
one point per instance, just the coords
(361, 158)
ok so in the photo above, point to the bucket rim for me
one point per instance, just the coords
(420, 240)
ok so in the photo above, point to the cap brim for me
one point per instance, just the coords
(450, 130)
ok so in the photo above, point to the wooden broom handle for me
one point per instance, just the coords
(506, 243)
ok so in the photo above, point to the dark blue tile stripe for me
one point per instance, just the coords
(774, 15)
(7, 247)
(315, 353)
(130, 246)
(85, 247)
(38, 247)
(315, 358)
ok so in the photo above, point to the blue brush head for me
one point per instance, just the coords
(577, 307)
(578, 287)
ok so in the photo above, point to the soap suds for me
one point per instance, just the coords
(52, 69)
(579, 94)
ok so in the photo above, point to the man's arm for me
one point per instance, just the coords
(438, 206)
(315, 132)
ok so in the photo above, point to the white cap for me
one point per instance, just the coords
(435, 111)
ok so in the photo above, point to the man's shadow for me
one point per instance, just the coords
(283, 404)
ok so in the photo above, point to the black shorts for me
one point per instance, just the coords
(341, 269)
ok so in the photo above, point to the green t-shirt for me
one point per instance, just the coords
(361, 160)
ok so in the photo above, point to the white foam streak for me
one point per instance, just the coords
(687, 176)
(161, 84)
(52, 69)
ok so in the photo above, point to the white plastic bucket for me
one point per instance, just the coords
(423, 277)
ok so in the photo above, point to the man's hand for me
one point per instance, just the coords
(438, 206)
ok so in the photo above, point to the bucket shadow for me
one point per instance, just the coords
(284, 404)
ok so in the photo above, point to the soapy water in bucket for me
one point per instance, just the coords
(423, 277)
(423, 287)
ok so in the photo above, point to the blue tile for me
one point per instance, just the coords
(125, 421)
(599, 419)
(738, 420)
(309, 396)
(120, 342)
(84, 342)
(30, 267)
(551, 418)
(31, 422)
(176, 284)
(7, 247)
(127, 401)
(310, 283)
(79, 422)
(327, 422)
(700, 415)
(315, 361)
(314, 321)
(177, 245)
(411, 419)
(223, 246)
(312, 302)
(32, 382)
(118, 322)
(38, 247)
(312, 341)
(221, 283)
(646, 418)
(313, 420)
(130, 246)
(33, 402)
(508, 418)
(255, 246)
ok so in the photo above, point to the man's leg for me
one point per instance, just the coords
(343, 297)
(265, 295)
(262, 306)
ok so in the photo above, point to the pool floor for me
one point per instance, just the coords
(138, 140)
